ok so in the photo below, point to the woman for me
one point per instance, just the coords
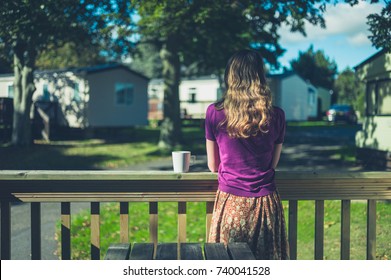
(244, 136)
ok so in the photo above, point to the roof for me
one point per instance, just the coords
(93, 69)
(7, 75)
(288, 74)
(369, 59)
(279, 76)
(160, 81)
(203, 78)
(283, 75)
(156, 81)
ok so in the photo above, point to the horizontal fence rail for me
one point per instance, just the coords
(160, 186)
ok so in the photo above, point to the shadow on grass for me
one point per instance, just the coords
(48, 157)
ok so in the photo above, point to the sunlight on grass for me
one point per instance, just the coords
(307, 123)
(117, 155)
(345, 154)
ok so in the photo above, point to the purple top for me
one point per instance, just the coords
(245, 163)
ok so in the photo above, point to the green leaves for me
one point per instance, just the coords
(38, 24)
(380, 27)
(350, 90)
(316, 67)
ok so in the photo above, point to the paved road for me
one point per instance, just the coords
(314, 149)
(308, 150)
(20, 229)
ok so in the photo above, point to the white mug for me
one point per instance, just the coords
(181, 161)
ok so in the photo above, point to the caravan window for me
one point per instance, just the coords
(76, 92)
(10, 91)
(45, 93)
(379, 98)
(384, 98)
(192, 95)
(123, 94)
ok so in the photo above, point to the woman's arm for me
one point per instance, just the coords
(276, 155)
(212, 152)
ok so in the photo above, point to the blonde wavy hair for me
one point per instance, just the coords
(247, 102)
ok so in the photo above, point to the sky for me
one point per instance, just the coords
(344, 40)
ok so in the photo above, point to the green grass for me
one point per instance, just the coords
(138, 227)
(332, 230)
(68, 155)
(307, 123)
(167, 228)
(107, 150)
(104, 151)
(345, 154)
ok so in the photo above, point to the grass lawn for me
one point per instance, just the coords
(167, 228)
(332, 230)
(123, 149)
(319, 123)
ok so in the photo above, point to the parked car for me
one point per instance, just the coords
(339, 112)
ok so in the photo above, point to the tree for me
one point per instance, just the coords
(70, 54)
(5, 61)
(350, 90)
(146, 60)
(28, 27)
(316, 67)
(185, 32)
(380, 28)
(207, 32)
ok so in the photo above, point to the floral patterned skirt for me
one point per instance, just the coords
(259, 221)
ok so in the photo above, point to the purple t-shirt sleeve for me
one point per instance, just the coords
(281, 125)
(209, 126)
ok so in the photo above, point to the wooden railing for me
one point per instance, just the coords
(154, 187)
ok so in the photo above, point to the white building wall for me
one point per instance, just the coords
(375, 133)
(294, 98)
(205, 92)
(61, 89)
(325, 95)
(312, 97)
(90, 99)
(5, 82)
(103, 111)
(155, 89)
(290, 93)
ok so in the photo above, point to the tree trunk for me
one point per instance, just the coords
(220, 77)
(24, 88)
(170, 131)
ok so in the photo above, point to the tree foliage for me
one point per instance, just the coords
(316, 67)
(380, 28)
(70, 54)
(203, 34)
(350, 90)
(146, 60)
(5, 60)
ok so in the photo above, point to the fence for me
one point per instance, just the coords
(154, 187)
